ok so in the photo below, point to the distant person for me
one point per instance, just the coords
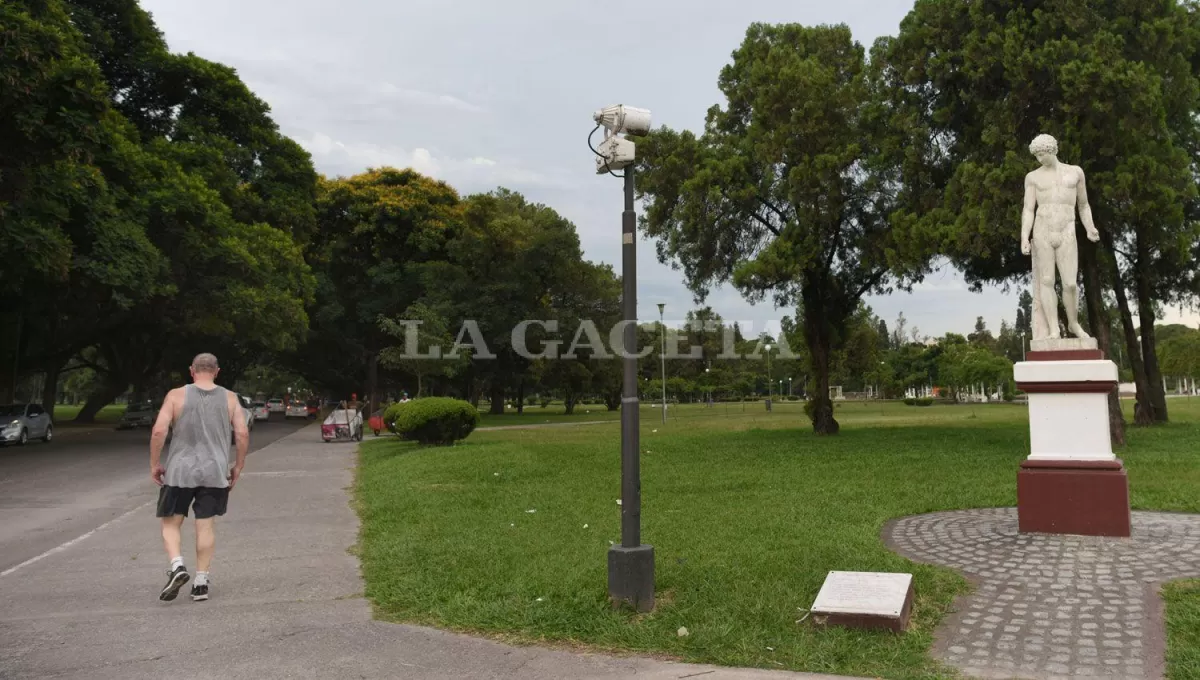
(200, 418)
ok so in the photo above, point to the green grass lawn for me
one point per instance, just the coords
(109, 415)
(747, 513)
(556, 412)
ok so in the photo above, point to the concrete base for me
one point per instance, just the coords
(1090, 498)
(631, 576)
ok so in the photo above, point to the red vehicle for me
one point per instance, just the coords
(314, 408)
(376, 422)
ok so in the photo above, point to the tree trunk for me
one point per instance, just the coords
(1154, 379)
(50, 388)
(520, 396)
(817, 330)
(497, 407)
(1093, 293)
(1142, 412)
(569, 400)
(104, 395)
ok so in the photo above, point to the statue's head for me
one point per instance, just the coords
(1045, 148)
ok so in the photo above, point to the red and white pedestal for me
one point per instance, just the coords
(1071, 483)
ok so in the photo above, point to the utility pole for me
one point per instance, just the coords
(630, 564)
(662, 332)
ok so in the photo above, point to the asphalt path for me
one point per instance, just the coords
(53, 493)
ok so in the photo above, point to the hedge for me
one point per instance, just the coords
(438, 421)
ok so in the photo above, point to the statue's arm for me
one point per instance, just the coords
(1085, 208)
(1027, 213)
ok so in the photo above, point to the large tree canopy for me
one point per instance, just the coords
(786, 194)
(148, 203)
(1116, 83)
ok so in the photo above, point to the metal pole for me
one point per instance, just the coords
(631, 485)
(662, 332)
(631, 564)
(768, 374)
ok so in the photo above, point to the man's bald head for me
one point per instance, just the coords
(205, 363)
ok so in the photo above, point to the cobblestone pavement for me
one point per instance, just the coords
(1053, 606)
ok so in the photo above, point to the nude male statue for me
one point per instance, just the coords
(1054, 190)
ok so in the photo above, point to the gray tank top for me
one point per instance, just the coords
(200, 440)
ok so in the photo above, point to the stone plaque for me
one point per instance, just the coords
(864, 599)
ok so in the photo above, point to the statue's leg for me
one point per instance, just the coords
(1043, 280)
(1067, 256)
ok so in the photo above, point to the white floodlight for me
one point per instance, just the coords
(621, 119)
(617, 152)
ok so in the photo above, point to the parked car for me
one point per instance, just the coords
(247, 414)
(314, 408)
(139, 414)
(276, 405)
(261, 410)
(21, 422)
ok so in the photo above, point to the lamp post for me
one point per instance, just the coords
(662, 333)
(630, 564)
(789, 387)
(768, 374)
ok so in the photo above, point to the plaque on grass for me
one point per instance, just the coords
(864, 599)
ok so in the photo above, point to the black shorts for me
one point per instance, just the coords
(206, 501)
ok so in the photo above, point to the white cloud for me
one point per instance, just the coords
(424, 98)
(350, 158)
(477, 173)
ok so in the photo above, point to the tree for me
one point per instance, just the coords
(137, 254)
(1181, 353)
(513, 260)
(885, 338)
(982, 337)
(899, 332)
(782, 195)
(378, 230)
(1116, 84)
(1024, 325)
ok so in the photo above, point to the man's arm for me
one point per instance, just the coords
(1027, 213)
(158, 436)
(1085, 209)
(240, 435)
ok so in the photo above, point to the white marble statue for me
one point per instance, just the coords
(1052, 194)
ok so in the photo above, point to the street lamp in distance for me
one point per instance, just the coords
(662, 332)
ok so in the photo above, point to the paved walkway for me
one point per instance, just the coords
(1053, 606)
(286, 600)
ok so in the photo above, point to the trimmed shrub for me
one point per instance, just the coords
(922, 401)
(437, 421)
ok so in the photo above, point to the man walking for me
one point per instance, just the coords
(199, 418)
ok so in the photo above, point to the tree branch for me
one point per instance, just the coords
(871, 283)
(770, 227)
(777, 211)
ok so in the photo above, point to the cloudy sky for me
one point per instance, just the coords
(485, 94)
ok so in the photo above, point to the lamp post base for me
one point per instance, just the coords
(631, 576)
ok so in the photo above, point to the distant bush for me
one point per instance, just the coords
(546, 401)
(438, 421)
(920, 401)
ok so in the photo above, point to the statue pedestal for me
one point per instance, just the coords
(1071, 483)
